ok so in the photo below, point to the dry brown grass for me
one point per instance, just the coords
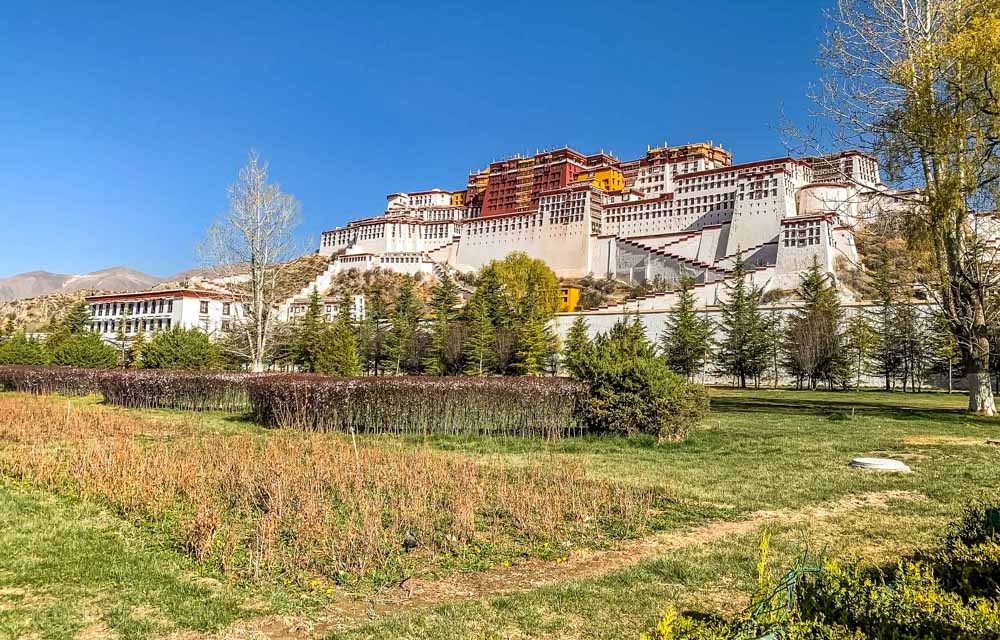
(32, 420)
(292, 504)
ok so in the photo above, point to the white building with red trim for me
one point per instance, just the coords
(148, 312)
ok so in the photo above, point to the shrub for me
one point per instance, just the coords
(632, 391)
(168, 389)
(910, 604)
(968, 562)
(68, 381)
(19, 350)
(180, 348)
(419, 405)
(83, 350)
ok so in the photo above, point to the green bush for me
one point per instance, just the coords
(83, 350)
(632, 391)
(969, 561)
(909, 605)
(180, 348)
(19, 350)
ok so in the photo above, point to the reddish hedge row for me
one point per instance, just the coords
(526, 406)
(144, 389)
(169, 389)
(68, 381)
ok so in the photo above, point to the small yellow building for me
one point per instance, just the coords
(607, 179)
(569, 298)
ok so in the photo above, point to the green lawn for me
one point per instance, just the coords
(774, 459)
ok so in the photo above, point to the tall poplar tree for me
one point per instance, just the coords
(914, 83)
(860, 342)
(814, 333)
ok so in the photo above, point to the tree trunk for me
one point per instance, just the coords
(981, 392)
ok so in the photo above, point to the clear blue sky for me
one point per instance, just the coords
(121, 126)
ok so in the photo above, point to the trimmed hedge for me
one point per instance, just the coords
(39, 380)
(173, 389)
(527, 406)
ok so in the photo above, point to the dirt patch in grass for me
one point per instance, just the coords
(944, 440)
(418, 593)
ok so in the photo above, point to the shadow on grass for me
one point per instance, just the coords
(843, 406)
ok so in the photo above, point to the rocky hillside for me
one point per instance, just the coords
(33, 314)
(41, 283)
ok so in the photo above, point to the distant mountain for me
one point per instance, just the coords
(40, 283)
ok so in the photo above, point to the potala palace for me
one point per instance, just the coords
(677, 211)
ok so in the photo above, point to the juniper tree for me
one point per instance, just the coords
(444, 299)
(579, 348)
(534, 341)
(307, 335)
(403, 321)
(76, 321)
(742, 351)
(372, 329)
(479, 344)
(686, 339)
(337, 353)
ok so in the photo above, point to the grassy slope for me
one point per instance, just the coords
(779, 451)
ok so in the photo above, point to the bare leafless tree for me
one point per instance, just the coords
(255, 234)
(894, 86)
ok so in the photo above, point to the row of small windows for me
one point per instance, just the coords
(160, 305)
(801, 234)
(131, 326)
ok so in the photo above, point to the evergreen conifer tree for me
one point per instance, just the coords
(307, 335)
(742, 352)
(686, 339)
(533, 338)
(479, 356)
(76, 321)
(85, 350)
(403, 322)
(444, 298)
(373, 327)
(18, 349)
(337, 354)
(579, 348)
(943, 345)
(886, 357)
